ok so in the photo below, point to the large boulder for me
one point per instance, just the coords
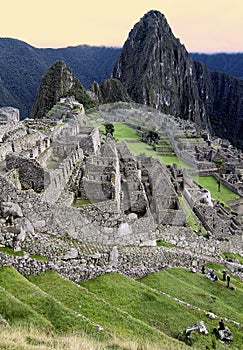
(225, 334)
(10, 209)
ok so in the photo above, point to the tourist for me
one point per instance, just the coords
(224, 275)
(221, 324)
(228, 281)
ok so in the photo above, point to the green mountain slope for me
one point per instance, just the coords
(22, 66)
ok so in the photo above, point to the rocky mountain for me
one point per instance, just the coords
(157, 71)
(231, 63)
(222, 96)
(22, 66)
(57, 82)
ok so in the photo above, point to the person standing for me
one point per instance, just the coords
(228, 280)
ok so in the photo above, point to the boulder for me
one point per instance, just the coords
(23, 226)
(3, 321)
(113, 258)
(198, 327)
(225, 334)
(9, 209)
(71, 254)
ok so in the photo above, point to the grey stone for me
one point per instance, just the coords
(11, 209)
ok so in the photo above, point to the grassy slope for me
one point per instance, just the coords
(62, 318)
(164, 313)
(134, 311)
(144, 303)
(198, 291)
(17, 312)
(81, 300)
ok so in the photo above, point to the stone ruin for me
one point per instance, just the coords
(49, 166)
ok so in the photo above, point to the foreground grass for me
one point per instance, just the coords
(197, 290)
(19, 338)
(134, 315)
(166, 314)
(210, 183)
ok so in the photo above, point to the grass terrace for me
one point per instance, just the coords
(210, 183)
(192, 219)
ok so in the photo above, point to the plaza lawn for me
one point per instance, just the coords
(210, 183)
(122, 132)
(125, 132)
(141, 147)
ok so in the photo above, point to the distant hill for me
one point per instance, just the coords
(22, 66)
(231, 63)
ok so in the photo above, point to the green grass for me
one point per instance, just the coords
(143, 303)
(192, 219)
(210, 183)
(10, 251)
(61, 318)
(130, 311)
(18, 313)
(161, 243)
(143, 300)
(196, 289)
(122, 132)
(81, 300)
(79, 202)
(125, 132)
(232, 255)
(141, 147)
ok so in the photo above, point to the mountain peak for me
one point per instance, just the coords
(57, 82)
(156, 69)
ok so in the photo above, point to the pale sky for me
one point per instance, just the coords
(201, 25)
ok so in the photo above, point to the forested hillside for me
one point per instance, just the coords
(22, 66)
(231, 63)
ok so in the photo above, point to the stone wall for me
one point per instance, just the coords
(134, 262)
(31, 174)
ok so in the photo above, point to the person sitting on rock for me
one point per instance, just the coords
(221, 324)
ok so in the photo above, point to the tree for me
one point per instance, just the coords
(109, 128)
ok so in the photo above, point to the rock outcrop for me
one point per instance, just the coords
(156, 70)
(109, 91)
(57, 82)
